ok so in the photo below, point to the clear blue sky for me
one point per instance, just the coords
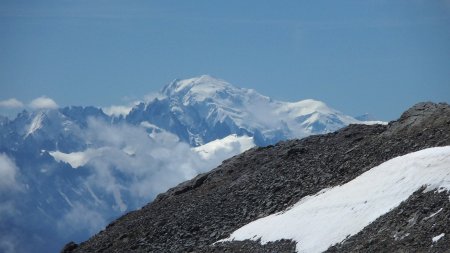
(357, 56)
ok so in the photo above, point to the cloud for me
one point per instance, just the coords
(8, 174)
(123, 110)
(81, 217)
(43, 103)
(152, 96)
(9, 244)
(117, 110)
(129, 166)
(11, 103)
(133, 166)
(9, 188)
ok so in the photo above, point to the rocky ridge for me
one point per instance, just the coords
(197, 213)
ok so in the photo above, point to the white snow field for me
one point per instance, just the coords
(322, 220)
(226, 147)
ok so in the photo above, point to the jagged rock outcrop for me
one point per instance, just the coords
(197, 213)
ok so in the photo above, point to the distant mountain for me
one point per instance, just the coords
(363, 188)
(203, 109)
(78, 168)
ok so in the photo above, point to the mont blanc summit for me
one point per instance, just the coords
(203, 109)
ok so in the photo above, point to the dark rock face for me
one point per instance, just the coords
(248, 246)
(261, 181)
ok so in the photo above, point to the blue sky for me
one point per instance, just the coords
(357, 56)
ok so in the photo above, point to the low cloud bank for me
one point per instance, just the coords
(125, 167)
(120, 168)
(8, 174)
(10, 187)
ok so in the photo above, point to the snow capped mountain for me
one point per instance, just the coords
(339, 212)
(78, 172)
(55, 126)
(202, 109)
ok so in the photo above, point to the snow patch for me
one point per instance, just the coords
(335, 213)
(373, 122)
(75, 159)
(93, 195)
(438, 237)
(65, 198)
(433, 214)
(36, 123)
(231, 144)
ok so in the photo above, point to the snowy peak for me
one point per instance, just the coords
(204, 108)
(203, 84)
(80, 114)
(208, 90)
(36, 123)
(307, 106)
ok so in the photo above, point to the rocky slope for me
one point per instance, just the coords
(197, 213)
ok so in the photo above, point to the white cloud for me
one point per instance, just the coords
(123, 110)
(125, 167)
(9, 188)
(131, 167)
(117, 110)
(79, 218)
(8, 174)
(134, 167)
(11, 103)
(152, 96)
(43, 103)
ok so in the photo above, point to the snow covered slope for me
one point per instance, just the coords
(226, 147)
(329, 217)
(203, 109)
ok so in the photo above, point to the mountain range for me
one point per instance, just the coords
(68, 172)
(203, 109)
